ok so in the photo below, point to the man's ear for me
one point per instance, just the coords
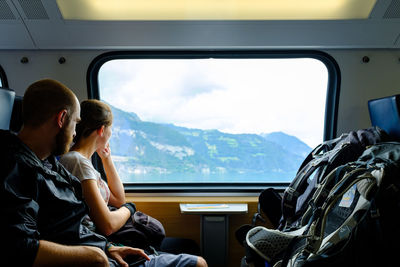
(100, 131)
(61, 117)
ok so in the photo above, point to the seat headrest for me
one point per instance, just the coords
(6, 105)
(385, 113)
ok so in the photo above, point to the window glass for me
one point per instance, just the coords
(213, 120)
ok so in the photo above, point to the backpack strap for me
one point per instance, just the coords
(321, 148)
(317, 227)
(296, 187)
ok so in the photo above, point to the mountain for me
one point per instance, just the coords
(289, 143)
(141, 147)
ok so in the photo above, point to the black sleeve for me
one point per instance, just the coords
(73, 181)
(19, 211)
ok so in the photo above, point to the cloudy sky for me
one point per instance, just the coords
(231, 95)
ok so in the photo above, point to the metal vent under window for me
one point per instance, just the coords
(33, 9)
(393, 11)
(5, 11)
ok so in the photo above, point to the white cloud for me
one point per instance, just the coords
(236, 96)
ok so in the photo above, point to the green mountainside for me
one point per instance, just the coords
(141, 147)
(288, 142)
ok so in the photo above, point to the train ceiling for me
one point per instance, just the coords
(40, 24)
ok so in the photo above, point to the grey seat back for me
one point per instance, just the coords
(6, 106)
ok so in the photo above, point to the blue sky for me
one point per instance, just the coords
(231, 95)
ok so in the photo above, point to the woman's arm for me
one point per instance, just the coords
(106, 221)
(117, 196)
(53, 254)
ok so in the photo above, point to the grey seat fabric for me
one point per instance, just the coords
(6, 106)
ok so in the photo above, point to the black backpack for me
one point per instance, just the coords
(140, 231)
(356, 224)
(312, 172)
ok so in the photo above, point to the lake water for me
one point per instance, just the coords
(229, 178)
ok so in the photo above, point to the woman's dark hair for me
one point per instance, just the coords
(94, 114)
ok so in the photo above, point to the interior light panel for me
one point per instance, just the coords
(215, 9)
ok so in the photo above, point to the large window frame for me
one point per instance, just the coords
(331, 105)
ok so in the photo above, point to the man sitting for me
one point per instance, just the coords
(42, 207)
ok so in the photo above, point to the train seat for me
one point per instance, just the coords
(6, 106)
(385, 113)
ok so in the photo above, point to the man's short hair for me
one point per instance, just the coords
(43, 99)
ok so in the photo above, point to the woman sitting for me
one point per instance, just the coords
(92, 135)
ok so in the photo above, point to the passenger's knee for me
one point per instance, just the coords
(201, 262)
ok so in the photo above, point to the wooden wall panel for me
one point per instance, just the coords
(166, 210)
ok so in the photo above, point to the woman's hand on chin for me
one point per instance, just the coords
(104, 152)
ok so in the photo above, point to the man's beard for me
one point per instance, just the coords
(63, 142)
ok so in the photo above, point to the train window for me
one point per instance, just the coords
(3, 78)
(221, 118)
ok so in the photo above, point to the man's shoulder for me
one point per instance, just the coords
(17, 169)
(13, 149)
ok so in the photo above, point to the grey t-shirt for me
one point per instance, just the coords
(82, 168)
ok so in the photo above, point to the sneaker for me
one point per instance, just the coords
(268, 243)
